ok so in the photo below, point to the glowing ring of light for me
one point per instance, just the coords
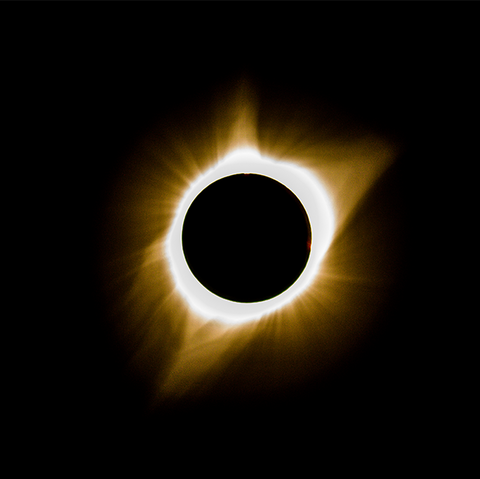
(309, 191)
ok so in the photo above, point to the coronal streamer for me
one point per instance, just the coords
(181, 338)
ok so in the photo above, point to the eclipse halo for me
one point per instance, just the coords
(316, 202)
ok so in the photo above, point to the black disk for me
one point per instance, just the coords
(246, 238)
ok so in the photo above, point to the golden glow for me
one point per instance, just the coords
(315, 201)
(180, 337)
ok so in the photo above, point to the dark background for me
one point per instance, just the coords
(91, 92)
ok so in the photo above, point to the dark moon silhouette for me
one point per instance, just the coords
(246, 238)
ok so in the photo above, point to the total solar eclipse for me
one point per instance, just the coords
(234, 256)
(246, 238)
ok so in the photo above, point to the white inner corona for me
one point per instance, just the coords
(314, 198)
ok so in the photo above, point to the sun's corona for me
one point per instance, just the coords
(297, 301)
(314, 198)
